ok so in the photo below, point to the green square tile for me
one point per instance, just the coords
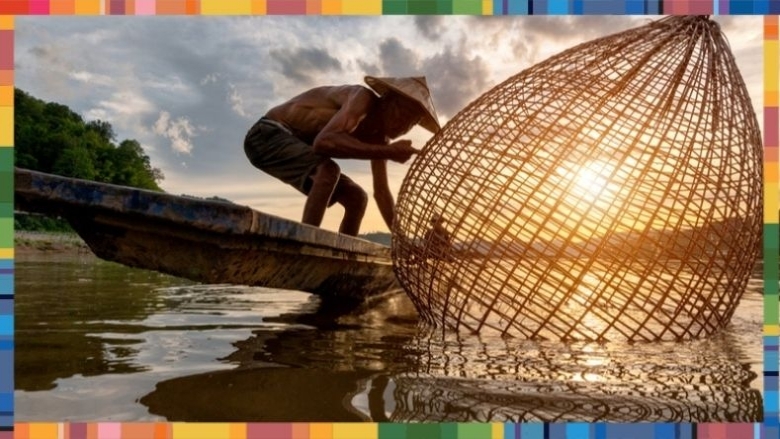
(771, 306)
(6, 210)
(448, 431)
(6, 159)
(444, 7)
(394, 7)
(6, 232)
(392, 431)
(423, 7)
(475, 431)
(6, 187)
(467, 7)
(424, 431)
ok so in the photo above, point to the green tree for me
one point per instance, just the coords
(102, 128)
(50, 137)
(75, 162)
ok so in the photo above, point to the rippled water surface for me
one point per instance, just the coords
(99, 341)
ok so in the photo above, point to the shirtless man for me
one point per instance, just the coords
(297, 141)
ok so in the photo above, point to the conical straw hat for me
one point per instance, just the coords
(415, 88)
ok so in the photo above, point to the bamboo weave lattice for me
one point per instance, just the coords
(610, 192)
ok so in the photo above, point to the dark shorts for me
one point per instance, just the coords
(277, 152)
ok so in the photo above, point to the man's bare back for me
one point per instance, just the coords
(307, 113)
(297, 141)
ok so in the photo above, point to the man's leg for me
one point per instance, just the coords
(354, 200)
(324, 181)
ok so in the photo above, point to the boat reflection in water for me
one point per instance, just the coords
(379, 365)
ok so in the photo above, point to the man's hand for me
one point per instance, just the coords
(402, 150)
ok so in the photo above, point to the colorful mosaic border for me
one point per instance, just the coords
(771, 220)
(387, 431)
(6, 226)
(386, 7)
(770, 428)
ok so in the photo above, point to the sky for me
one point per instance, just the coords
(188, 88)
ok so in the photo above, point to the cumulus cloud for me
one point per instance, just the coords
(577, 29)
(215, 71)
(209, 79)
(179, 132)
(455, 79)
(97, 114)
(91, 78)
(397, 59)
(46, 53)
(127, 103)
(237, 102)
(430, 26)
(302, 64)
(369, 68)
(169, 84)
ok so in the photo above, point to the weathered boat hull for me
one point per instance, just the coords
(209, 241)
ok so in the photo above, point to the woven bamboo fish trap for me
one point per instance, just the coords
(611, 192)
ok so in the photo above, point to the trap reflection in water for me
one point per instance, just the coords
(382, 369)
(129, 345)
(462, 381)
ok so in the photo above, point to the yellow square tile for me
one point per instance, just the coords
(201, 431)
(361, 7)
(6, 126)
(355, 431)
(221, 7)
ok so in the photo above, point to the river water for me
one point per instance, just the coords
(97, 341)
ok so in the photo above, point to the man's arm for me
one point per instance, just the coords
(382, 195)
(336, 139)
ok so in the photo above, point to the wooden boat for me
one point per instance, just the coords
(209, 241)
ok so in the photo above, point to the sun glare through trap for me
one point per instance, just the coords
(611, 192)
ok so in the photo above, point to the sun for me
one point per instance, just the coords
(592, 180)
(589, 182)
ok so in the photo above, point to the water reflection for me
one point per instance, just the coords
(395, 371)
(460, 380)
(98, 341)
(59, 334)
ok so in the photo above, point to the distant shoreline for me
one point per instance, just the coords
(49, 243)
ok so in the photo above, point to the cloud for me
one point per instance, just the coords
(179, 132)
(430, 26)
(126, 103)
(170, 84)
(369, 68)
(302, 64)
(124, 110)
(398, 60)
(237, 102)
(577, 29)
(91, 78)
(44, 53)
(209, 79)
(455, 79)
(210, 74)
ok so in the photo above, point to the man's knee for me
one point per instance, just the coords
(354, 198)
(361, 198)
(327, 172)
